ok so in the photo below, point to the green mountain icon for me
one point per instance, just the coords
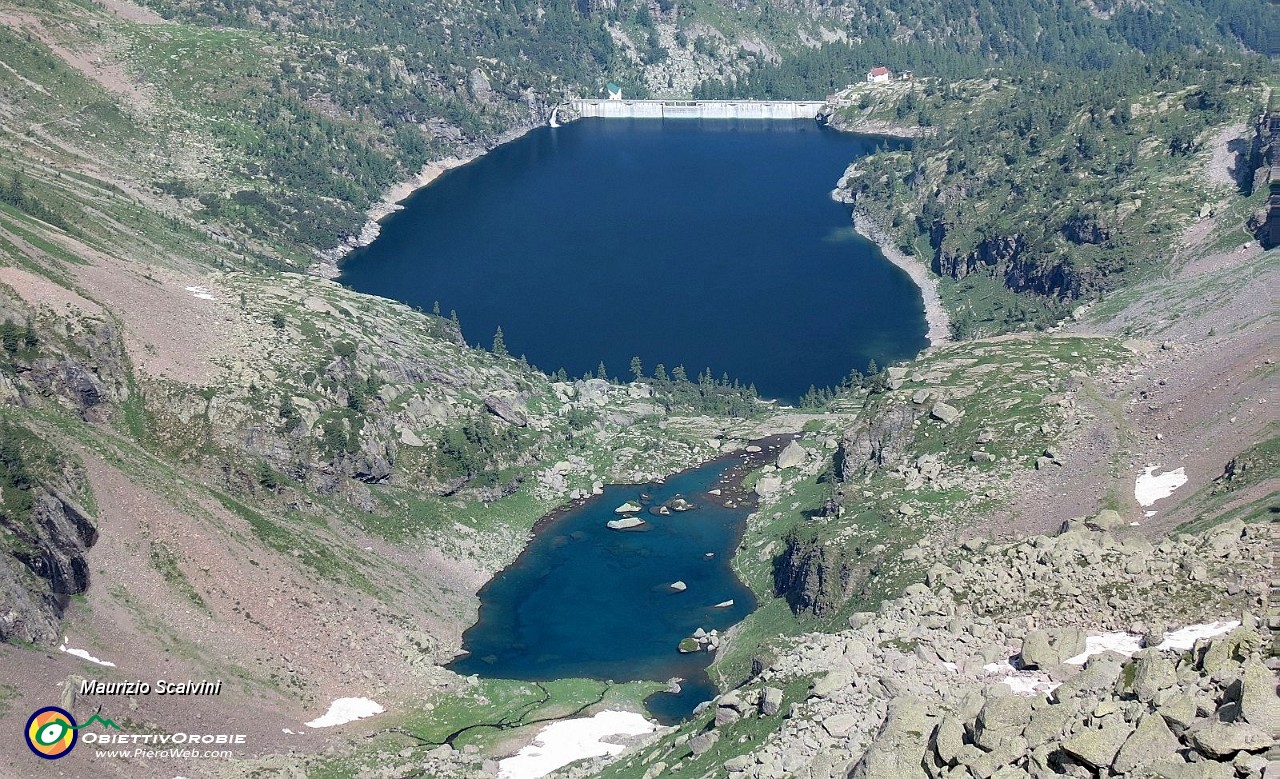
(106, 723)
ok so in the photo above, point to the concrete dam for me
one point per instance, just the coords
(698, 109)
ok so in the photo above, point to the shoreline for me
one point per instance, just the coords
(328, 260)
(935, 315)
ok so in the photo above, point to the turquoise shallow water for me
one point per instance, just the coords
(587, 601)
(711, 244)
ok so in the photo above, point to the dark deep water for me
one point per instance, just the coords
(702, 243)
(587, 601)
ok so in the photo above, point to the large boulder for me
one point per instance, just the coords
(945, 413)
(1150, 742)
(1152, 672)
(506, 410)
(770, 701)
(793, 454)
(768, 485)
(702, 742)
(1258, 697)
(1225, 739)
(1001, 719)
(1098, 747)
(1049, 648)
(898, 749)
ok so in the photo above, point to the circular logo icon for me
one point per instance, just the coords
(51, 732)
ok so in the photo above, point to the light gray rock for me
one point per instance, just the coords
(792, 454)
(833, 682)
(506, 411)
(1098, 747)
(948, 738)
(736, 765)
(1152, 672)
(625, 523)
(841, 724)
(1038, 651)
(945, 413)
(1224, 739)
(1179, 712)
(768, 485)
(726, 715)
(1047, 724)
(1151, 741)
(1175, 768)
(770, 701)
(702, 742)
(1106, 520)
(897, 750)
(1258, 703)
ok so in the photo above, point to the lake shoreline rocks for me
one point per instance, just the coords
(935, 314)
(329, 261)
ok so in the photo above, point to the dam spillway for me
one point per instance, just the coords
(698, 109)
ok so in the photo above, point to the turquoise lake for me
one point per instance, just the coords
(584, 600)
(708, 244)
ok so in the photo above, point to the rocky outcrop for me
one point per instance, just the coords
(1009, 258)
(876, 442)
(506, 410)
(46, 562)
(813, 576)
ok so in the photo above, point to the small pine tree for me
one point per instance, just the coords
(29, 338)
(637, 368)
(435, 308)
(9, 336)
(601, 373)
(499, 343)
(678, 374)
(660, 372)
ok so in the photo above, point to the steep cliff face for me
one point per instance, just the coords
(1011, 259)
(44, 537)
(814, 576)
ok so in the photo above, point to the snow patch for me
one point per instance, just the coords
(1150, 487)
(345, 710)
(563, 742)
(1128, 644)
(1021, 682)
(83, 654)
(1182, 640)
(1029, 683)
(200, 293)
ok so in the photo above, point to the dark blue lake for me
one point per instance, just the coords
(584, 600)
(696, 243)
